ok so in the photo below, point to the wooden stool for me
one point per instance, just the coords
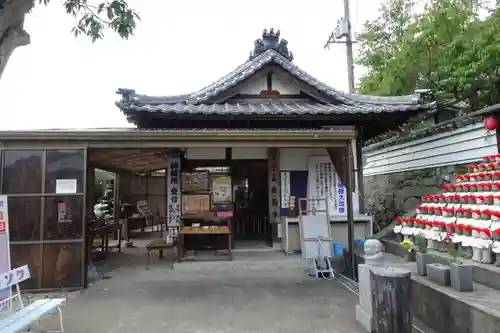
(159, 245)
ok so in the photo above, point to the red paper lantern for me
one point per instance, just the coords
(491, 124)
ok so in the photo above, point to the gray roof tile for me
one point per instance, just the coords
(273, 108)
(195, 103)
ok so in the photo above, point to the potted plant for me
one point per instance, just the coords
(408, 245)
(422, 257)
(460, 273)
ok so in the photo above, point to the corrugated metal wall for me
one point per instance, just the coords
(461, 146)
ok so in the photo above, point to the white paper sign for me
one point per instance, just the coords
(66, 185)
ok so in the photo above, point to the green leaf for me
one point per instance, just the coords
(93, 20)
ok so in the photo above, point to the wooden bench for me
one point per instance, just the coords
(21, 318)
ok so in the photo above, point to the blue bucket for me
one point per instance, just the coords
(338, 249)
(360, 242)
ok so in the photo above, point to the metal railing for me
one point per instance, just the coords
(353, 286)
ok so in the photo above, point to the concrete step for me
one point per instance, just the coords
(487, 275)
(446, 310)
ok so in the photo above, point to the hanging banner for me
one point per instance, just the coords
(174, 190)
(4, 247)
(324, 183)
(293, 188)
(285, 189)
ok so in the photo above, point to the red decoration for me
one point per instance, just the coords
(491, 124)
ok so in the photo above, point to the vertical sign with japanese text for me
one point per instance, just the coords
(174, 190)
(324, 183)
(4, 245)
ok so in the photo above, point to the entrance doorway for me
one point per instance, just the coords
(251, 226)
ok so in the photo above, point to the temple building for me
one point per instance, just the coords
(235, 158)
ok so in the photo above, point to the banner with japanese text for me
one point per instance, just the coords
(4, 245)
(293, 188)
(324, 183)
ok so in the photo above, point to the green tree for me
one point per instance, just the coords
(446, 47)
(379, 41)
(94, 19)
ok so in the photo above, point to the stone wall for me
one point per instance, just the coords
(393, 194)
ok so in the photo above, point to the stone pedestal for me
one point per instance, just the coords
(439, 274)
(373, 258)
(391, 301)
(364, 308)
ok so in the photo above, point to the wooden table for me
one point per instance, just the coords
(103, 231)
(158, 245)
(210, 230)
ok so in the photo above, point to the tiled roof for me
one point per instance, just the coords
(274, 108)
(249, 68)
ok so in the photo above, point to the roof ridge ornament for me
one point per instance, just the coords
(127, 95)
(271, 40)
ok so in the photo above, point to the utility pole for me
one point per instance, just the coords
(344, 29)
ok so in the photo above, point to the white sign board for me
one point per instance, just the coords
(311, 229)
(66, 186)
(14, 276)
(324, 183)
(4, 243)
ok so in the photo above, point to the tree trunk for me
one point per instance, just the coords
(391, 301)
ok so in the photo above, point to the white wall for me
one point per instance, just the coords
(249, 153)
(206, 153)
(295, 159)
(281, 83)
(461, 146)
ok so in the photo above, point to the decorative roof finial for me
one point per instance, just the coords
(271, 40)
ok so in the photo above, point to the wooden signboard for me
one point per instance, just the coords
(195, 203)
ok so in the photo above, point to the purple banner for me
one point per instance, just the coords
(297, 189)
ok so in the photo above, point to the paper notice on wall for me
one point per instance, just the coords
(221, 188)
(64, 213)
(66, 186)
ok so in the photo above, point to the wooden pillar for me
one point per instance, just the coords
(117, 199)
(391, 301)
(90, 188)
(359, 170)
(350, 208)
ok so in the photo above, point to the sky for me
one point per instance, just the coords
(59, 81)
